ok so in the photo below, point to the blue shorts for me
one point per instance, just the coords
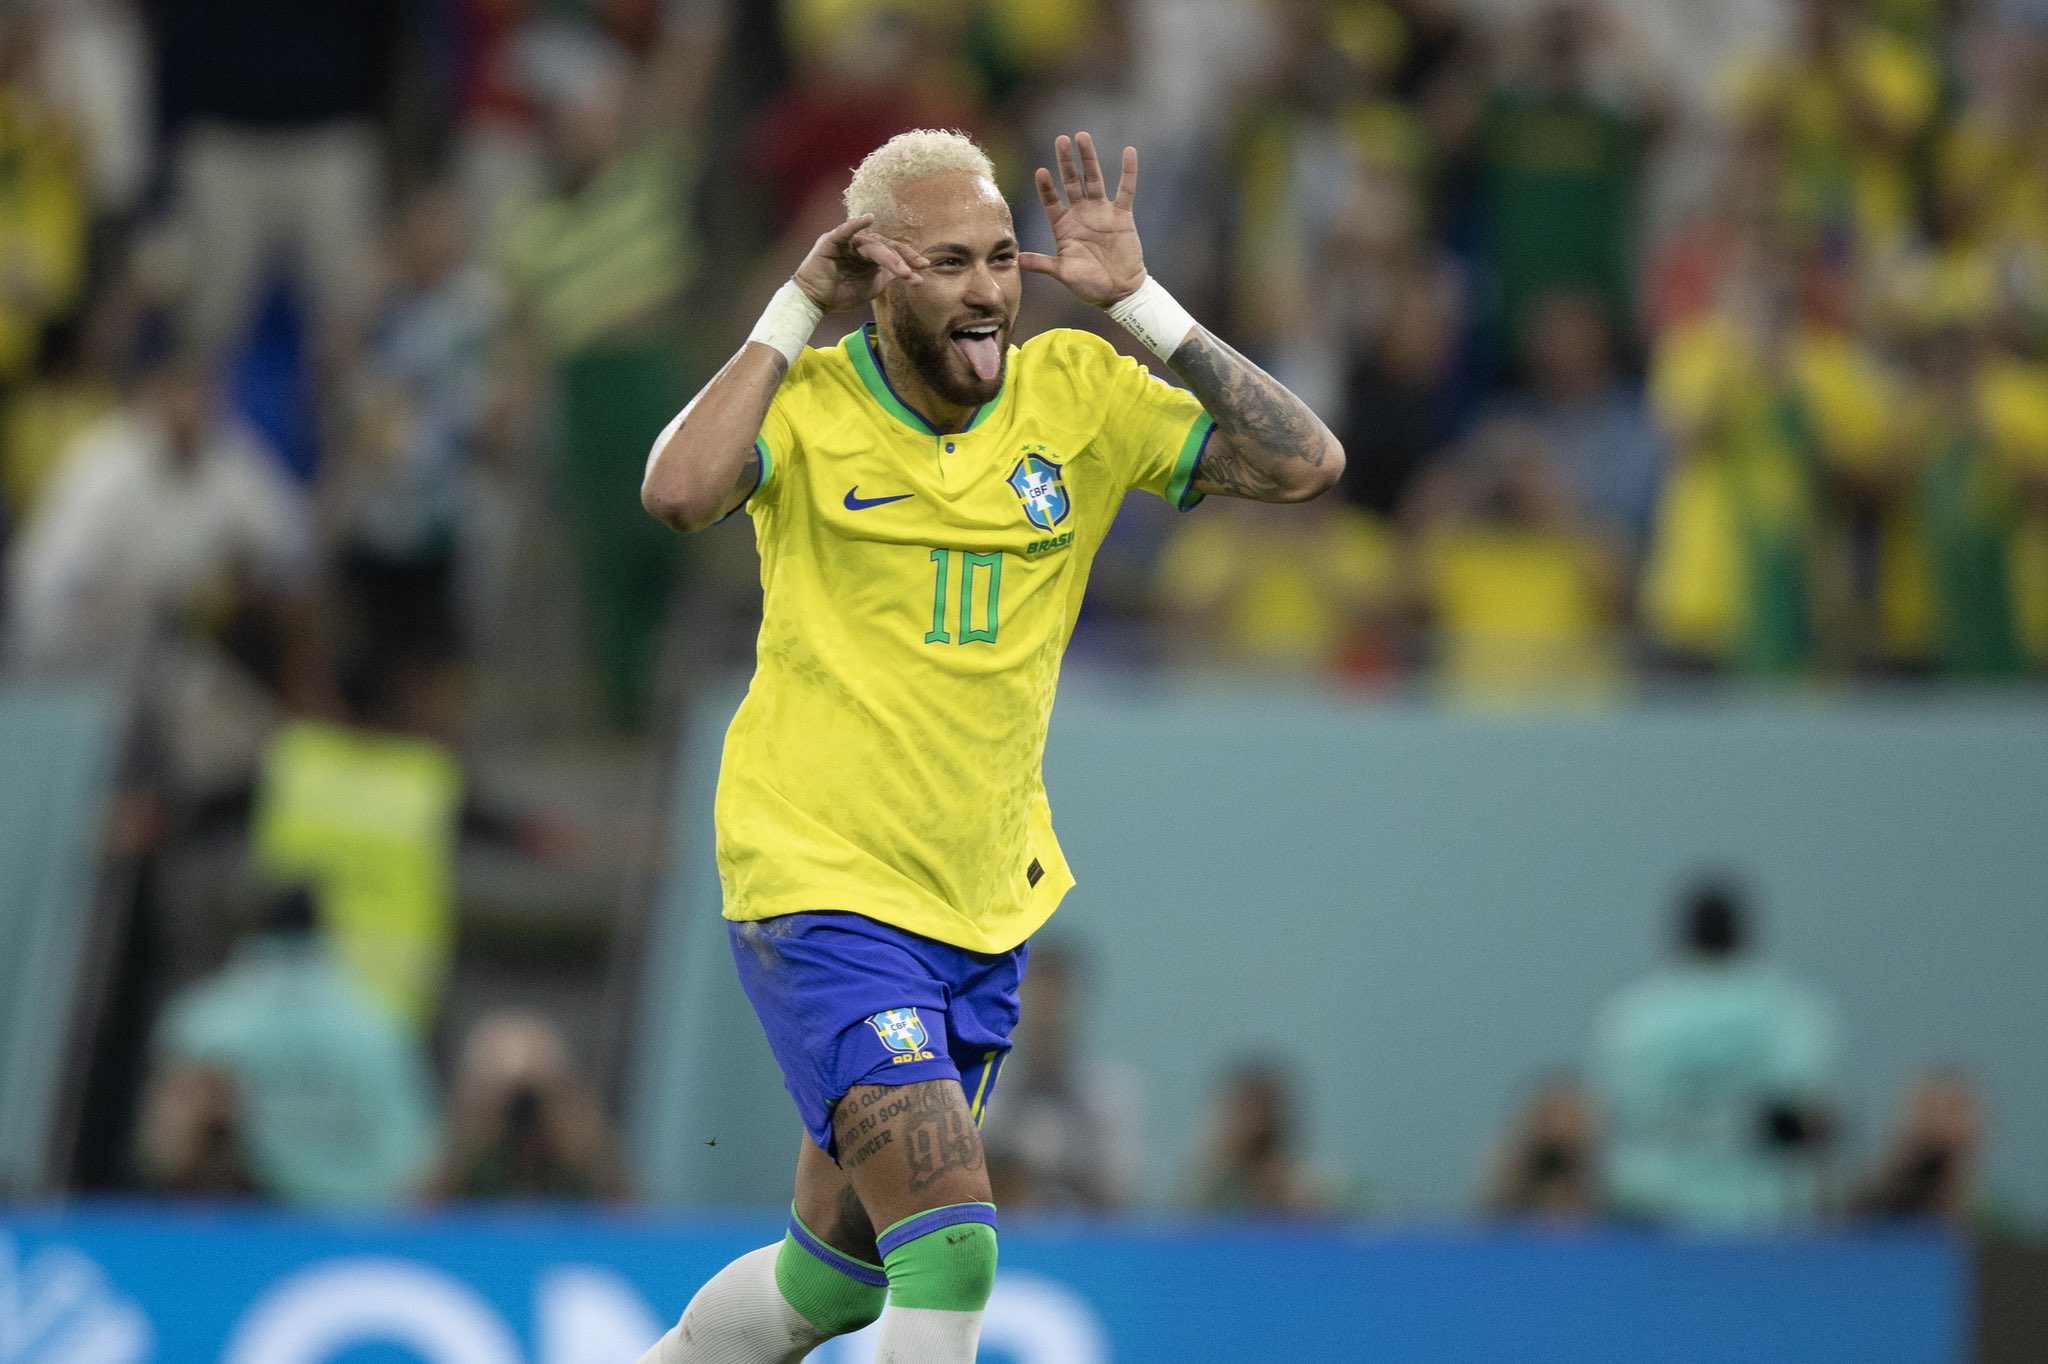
(848, 1001)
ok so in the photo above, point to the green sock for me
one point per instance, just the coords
(832, 1291)
(943, 1260)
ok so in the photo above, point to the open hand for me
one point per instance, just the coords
(1099, 258)
(851, 264)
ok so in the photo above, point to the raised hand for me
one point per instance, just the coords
(1099, 258)
(851, 264)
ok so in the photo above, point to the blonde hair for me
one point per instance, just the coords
(912, 156)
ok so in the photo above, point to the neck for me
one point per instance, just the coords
(945, 416)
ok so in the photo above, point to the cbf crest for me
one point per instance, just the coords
(902, 1032)
(1036, 481)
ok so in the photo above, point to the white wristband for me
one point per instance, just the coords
(788, 321)
(1152, 315)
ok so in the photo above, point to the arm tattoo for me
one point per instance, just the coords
(749, 478)
(1264, 427)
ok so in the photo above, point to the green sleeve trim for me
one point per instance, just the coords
(767, 472)
(1181, 492)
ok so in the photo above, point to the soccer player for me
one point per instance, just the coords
(927, 499)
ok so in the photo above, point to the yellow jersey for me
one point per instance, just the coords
(918, 592)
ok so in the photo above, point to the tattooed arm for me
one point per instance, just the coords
(1267, 445)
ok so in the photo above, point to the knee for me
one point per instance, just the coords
(944, 1259)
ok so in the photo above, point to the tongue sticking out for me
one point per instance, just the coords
(983, 354)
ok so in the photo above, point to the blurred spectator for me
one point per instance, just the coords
(43, 209)
(168, 518)
(863, 72)
(523, 1121)
(499, 98)
(598, 269)
(1976, 424)
(1990, 181)
(72, 391)
(368, 818)
(1519, 592)
(1561, 164)
(1847, 103)
(1770, 408)
(405, 473)
(1251, 1160)
(1738, 230)
(1302, 590)
(1062, 1128)
(1931, 1163)
(273, 109)
(368, 812)
(1548, 1165)
(1596, 426)
(95, 61)
(1715, 1082)
(1326, 163)
(330, 1097)
(1434, 43)
(190, 1140)
(1399, 394)
(1693, 43)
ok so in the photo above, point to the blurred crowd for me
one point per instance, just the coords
(280, 1077)
(1664, 338)
(1712, 1102)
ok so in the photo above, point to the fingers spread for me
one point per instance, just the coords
(1048, 193)
(1038, 264)
(1092, 183)
(1127, 183)
(1070, 169)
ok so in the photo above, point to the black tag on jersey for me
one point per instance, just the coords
(1034, 873)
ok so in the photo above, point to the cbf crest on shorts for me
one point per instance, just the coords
(902, 1032)
(1036, 481)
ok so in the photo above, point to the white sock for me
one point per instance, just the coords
(741, 1317)
(925, 1335)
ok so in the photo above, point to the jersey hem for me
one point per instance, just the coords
(986, 944)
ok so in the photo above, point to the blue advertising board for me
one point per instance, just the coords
(133, 1286)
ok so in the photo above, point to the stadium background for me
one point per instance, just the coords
(1691, 363)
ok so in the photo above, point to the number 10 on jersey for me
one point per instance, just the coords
(976, 580)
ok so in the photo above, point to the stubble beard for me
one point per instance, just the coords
(932, 356)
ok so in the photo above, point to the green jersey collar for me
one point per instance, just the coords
(867, 363)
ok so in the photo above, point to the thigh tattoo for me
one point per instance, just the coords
(938, 1138)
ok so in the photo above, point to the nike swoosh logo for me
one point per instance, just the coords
(855, 502)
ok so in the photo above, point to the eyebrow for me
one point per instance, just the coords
(1007, 243)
